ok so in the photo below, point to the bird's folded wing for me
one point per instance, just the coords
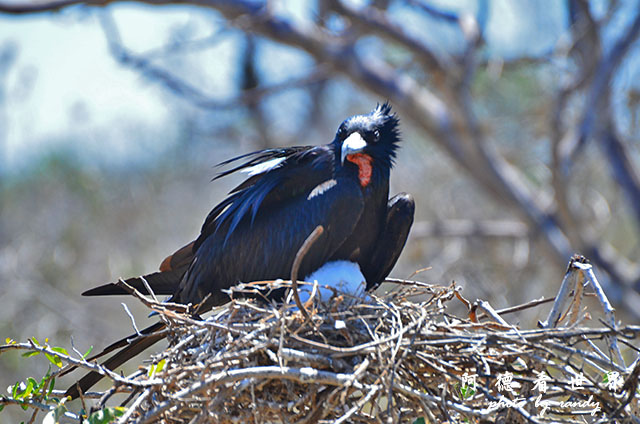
(256, 232)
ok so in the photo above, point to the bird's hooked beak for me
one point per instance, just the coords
(352, 144)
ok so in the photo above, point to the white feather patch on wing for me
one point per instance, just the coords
(345, 276)
(321, 188)
(263, 167)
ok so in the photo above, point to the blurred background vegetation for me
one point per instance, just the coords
(519, 121)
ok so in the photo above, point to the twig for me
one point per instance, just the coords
(134, 406)
(156, 306)
(149, 289)
(430, 287)
(608, 309)
(358, 405)
(133, 320)
(302, 375)
(573, 315)
(522, 307)
(36, 405)
(488, 309)
(563, 294)
(31, 346)
(317, 232)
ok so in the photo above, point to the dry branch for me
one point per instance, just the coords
(378, 359)
(384, 358)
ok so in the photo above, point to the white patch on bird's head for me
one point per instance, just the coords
(344, 276)
(322, 188)
(263, 167)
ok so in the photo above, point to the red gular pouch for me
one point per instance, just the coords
(364, 167)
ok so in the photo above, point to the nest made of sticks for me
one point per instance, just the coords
(400, 357)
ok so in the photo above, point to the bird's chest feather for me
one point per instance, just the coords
(362, 240)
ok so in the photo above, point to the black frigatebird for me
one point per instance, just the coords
(256, 231)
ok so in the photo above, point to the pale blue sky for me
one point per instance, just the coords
(65, 89)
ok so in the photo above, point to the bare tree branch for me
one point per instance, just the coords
(192, 45)
(191, 93)
(598, 99)
(596, 119)
(622, 167)
(29, 8)
(372, 20)
(56, 5)
(435, 12)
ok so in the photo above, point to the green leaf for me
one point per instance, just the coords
(156, 368)
(60, 350)
(467, 391)
(35, 341)
(105, 416)
(87, 353)
(31, 383)
(30, 354)
(1, 408)
(42, 382)
(420, 421)
(14, 391)
(51, 384)
(54, 359)
(41, 387)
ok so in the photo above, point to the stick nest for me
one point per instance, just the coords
(397, 358)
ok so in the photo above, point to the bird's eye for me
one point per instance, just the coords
(341, 132)
(376, 135)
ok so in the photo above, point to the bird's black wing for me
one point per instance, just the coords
(265, 172)
(260, 157)
(173, 268)
(255, 233)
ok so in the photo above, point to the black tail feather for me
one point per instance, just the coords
(162, 283)
(131, 346)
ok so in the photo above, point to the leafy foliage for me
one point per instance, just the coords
(39, 393)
